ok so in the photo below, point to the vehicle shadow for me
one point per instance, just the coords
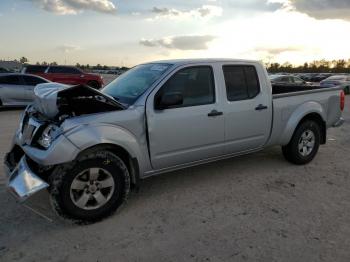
(12, 108)
(38, 210)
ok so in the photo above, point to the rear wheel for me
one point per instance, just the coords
(94, 84)
(304, 144)
(90, 188)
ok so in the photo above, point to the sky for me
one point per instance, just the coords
(129, 32)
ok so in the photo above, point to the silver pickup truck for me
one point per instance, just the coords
(89, 148)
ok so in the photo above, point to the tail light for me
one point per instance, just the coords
(342, 100)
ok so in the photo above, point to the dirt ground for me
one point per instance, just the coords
(251, 208)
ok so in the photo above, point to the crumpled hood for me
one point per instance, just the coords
(54, 99)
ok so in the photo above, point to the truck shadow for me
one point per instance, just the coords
(12, 108)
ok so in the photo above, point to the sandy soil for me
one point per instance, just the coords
(251, 208)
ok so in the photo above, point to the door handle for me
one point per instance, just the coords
(261, 107)
(215, 113)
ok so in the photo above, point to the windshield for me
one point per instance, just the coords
(132, 84)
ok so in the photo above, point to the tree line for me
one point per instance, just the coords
(320, 66)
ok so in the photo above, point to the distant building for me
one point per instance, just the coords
(11, 65)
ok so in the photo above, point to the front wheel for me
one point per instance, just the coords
(304, 144)
(90, 188)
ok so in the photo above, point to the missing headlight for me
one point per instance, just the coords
(50, 133)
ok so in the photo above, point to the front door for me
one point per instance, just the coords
(190, 131)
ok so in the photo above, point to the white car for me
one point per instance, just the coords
(18, 89)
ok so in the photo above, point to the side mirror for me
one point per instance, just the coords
(168, 100)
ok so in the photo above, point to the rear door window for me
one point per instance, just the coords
(10, 80)
(63, 70)
(241, 82)
(33, 81)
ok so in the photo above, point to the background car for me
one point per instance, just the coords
(337, 80)
(287, 80)
(18, 89)
(69, 75)
(3, 70)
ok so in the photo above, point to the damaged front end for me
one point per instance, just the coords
(57, 101)
(23, 182)
(39, 141)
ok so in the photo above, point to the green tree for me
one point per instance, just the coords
(23, 60)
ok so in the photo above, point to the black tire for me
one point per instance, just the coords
(291, 151)
(61, 181)
(94, 84)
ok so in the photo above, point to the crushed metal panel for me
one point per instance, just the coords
(23, 183)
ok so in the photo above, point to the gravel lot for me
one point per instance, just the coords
(251, 208)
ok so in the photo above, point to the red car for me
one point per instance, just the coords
(69, 75)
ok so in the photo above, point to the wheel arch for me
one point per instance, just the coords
(130, 161)
(308, 111)
(319, 120)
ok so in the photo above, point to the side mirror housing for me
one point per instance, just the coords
(168, 100)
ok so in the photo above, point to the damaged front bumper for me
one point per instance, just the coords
(22, 181)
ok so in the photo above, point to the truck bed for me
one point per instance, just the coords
(289, 106)
(283, 89)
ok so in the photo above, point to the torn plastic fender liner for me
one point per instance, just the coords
(53, 99)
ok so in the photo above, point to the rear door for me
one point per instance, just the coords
(248, 107)
(188, 132)
(12, 90)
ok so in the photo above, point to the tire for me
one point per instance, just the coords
(76, 195)
(94, 84)
(304, 144)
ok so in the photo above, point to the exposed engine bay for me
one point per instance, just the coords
(56, 101)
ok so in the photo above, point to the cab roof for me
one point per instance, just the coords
(203, 60)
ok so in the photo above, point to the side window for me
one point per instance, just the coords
(196, 84)
(241, 82)
(298, 81)
(10, 80)
(54, 70)
(72, 70)
(285, 79)
(63, 70)
(35, 69)
(33, 81)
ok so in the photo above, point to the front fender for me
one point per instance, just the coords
(296, 116)
(87, 136)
